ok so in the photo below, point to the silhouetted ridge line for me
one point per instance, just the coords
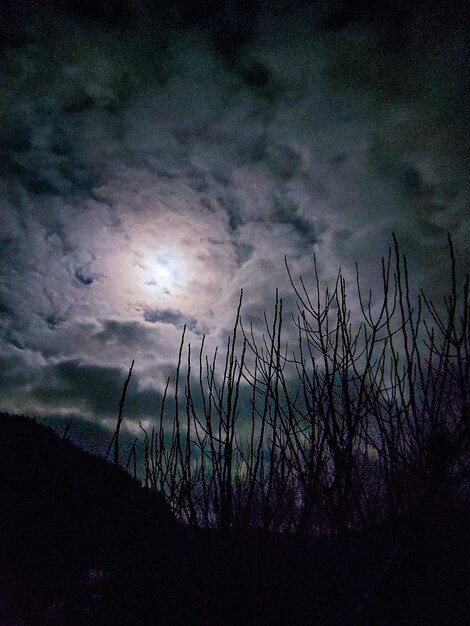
(62, 507)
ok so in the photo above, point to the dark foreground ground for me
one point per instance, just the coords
(82, 544)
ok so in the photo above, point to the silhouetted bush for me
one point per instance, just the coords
(339, 496)
(366, 417)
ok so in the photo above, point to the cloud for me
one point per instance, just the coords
(174, 318)
(71, 388)
(147, 179)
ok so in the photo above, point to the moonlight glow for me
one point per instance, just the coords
(163, 273)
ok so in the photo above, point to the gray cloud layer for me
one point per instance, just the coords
(146, 180)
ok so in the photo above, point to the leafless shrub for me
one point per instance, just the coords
(361, 420)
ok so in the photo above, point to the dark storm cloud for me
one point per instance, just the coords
(286, 213)
(156, 160)
(83, 277)
(166, 317)
(174, 318)
(130, 334)
(100, 388)
(76, 388)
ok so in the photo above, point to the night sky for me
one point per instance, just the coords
(157, 157)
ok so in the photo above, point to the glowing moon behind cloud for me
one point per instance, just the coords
(160, 261)
(163, 272)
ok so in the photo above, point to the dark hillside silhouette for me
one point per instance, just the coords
(83, 543)
(61, 507)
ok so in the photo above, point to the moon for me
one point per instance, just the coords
(162, 272)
